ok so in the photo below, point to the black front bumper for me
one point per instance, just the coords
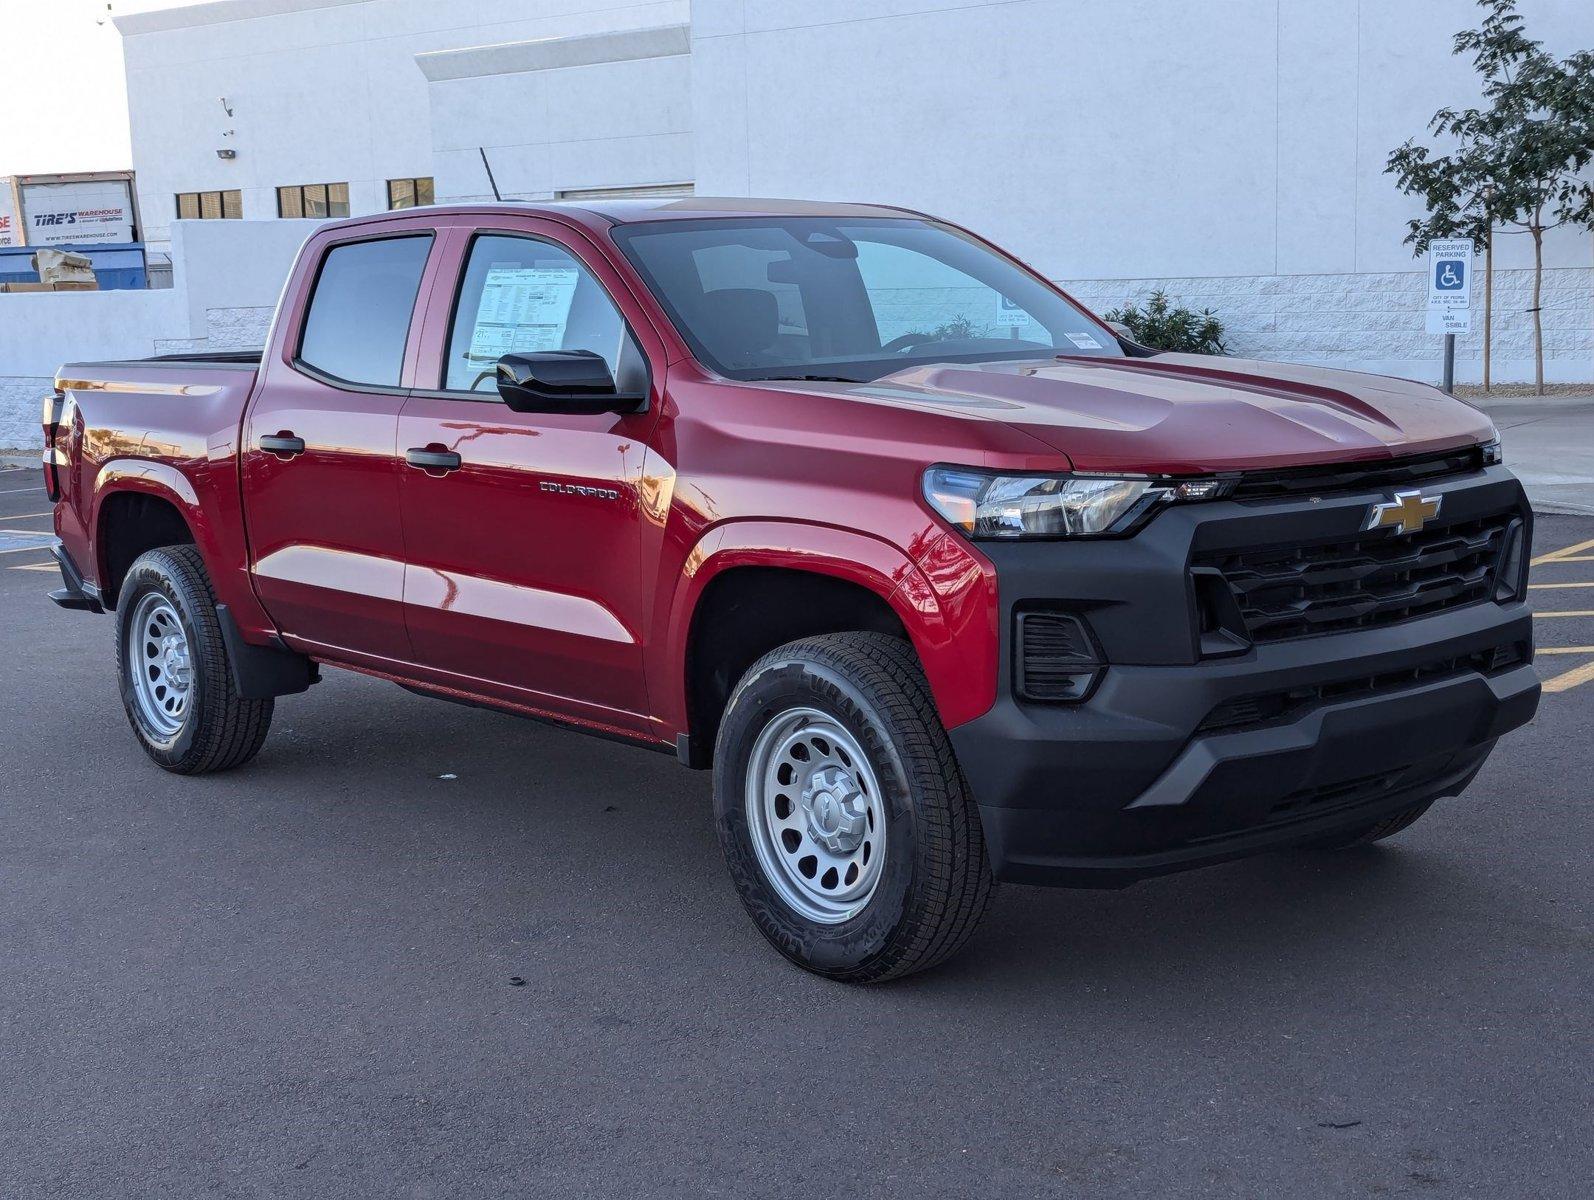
(1137, 780)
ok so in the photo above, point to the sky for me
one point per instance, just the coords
(63, 95)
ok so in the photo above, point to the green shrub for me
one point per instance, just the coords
(1163, 327)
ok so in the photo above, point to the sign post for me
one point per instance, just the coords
(1450, 296)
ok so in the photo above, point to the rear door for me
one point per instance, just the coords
(524, 578)
(320, 474)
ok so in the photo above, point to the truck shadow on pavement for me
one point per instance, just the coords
(562, 815)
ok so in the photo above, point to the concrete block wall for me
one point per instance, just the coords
(21, 395)
(1375, 321)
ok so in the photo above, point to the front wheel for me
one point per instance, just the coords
(176, 683)
(846, 824)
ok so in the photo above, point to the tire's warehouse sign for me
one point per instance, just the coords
(10, 223)
(80, 212)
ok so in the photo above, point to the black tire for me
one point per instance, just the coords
(935, 882)
(219, 729)
(1366, 835)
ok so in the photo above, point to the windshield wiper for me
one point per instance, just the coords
(809, 378)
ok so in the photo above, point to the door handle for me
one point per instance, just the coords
(283, 443)
(428, 459)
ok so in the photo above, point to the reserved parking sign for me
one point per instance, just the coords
(1450, 286)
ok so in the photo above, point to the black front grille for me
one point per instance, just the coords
(1270, 708)
(1374, 578)
(1337, 478)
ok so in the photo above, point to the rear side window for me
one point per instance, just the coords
(359, 315)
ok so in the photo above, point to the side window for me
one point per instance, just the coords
(359, 315)
(519, 296)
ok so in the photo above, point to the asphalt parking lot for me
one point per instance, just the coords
(417, 950)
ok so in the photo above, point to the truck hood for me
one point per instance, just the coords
(1189, 414)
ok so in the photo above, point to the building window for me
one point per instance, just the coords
(640, 191)
(210, 206)
(409, 193)
(313, 200)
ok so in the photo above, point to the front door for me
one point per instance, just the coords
(523, 577)
(321, 478)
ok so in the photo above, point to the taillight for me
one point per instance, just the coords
(53, 405)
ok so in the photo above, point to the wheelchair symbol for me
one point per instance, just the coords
(1449, 275)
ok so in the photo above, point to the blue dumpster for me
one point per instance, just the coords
(117, 267)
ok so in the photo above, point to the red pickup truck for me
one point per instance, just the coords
(946, 581)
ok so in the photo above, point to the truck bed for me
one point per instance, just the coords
(163, 425)
(234, 359)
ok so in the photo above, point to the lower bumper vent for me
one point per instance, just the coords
(1267, 708)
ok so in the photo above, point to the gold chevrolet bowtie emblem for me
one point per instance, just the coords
(1408, 512)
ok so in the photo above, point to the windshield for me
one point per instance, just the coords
(809, 297)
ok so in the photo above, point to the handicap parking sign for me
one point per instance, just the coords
(1450, 285)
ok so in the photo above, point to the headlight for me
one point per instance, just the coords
(985, 505)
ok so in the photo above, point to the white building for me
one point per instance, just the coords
(1232, 152)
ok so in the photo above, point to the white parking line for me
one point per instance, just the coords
(19, 491)
(24, 516)
(13, 540)
(1580, 612)
(1549, 586)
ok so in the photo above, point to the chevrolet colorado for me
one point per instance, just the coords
(946, 582)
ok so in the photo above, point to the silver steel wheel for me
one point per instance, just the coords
(816, 815)
(159, 665)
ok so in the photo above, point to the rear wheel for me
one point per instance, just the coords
(846, 824)
(1366, 835)
(176, 682)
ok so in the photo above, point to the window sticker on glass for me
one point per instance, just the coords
(522, 310)
(1084, 341)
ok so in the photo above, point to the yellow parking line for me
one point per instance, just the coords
(1570, 680)
(1548, 586)
(1536, 649)
(1564, 552)
(49, 566)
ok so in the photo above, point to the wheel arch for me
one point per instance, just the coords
(752, 586)
(140, 506)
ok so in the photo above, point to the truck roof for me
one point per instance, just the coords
(662, 208)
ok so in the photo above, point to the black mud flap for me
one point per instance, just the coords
(261, 672)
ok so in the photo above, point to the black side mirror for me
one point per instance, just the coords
(562, 381)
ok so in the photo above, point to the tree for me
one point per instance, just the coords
(1517, 161)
